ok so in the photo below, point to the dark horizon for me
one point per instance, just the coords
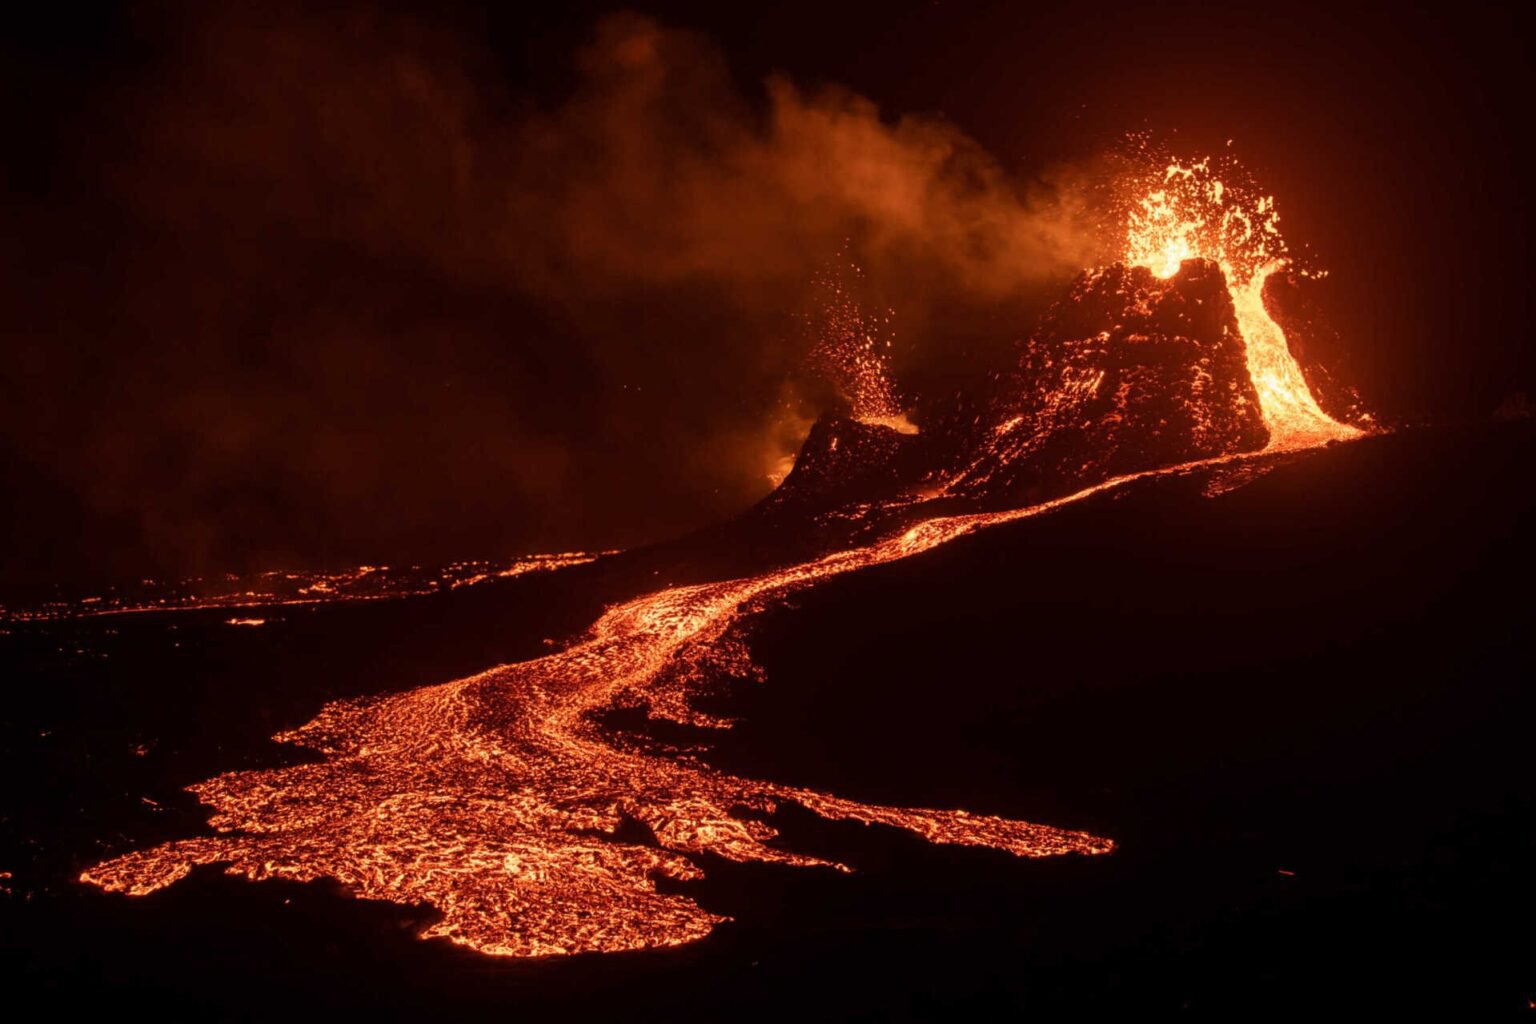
(285, 291)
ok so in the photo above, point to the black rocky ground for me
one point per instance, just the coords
(1300, 707)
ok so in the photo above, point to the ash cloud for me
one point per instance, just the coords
(324, 288)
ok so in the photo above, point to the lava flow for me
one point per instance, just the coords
(497, 800)
(279, 589)
(503, 802)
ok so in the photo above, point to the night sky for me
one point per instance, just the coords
(406, 282)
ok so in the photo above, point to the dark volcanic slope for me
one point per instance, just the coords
(843, 462)
(1127, 372)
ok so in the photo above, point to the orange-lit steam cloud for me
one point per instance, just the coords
(336, 264)
(658, 170)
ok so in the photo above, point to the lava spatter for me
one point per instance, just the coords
(1192, 211)
(853, 347)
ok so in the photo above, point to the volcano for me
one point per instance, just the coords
(1128, 372)
(507, 800)
(1017, 650)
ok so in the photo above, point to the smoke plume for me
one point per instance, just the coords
(323, 288)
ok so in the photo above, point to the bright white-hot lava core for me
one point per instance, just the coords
(1192, 213)
(504, 802)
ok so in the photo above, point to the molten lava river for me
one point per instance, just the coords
(498, 799)
(489, 797)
